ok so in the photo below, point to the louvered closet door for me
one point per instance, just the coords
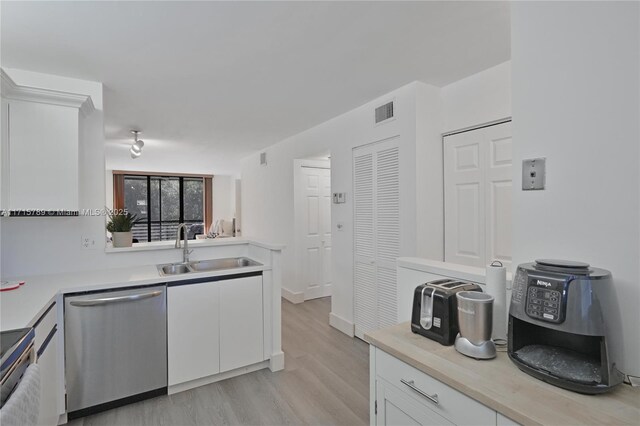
(364, 274)
(387, 232)
(376, 235)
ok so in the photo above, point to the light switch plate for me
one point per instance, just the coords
(339, 197)
(533, 174)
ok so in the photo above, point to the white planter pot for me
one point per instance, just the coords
(122, 239)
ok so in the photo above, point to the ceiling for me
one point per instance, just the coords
(211, 82)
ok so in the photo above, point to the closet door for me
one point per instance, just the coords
(364, 271)
(477, 189)
(387, 233)
(376, 235)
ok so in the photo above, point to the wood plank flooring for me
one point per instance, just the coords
(325, 382)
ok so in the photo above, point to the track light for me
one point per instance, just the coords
(136, 148)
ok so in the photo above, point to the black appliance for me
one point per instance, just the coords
(435, 309)
(564, 325)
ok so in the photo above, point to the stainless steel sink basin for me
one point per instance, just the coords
(174, 269)
(218, 264)
(206, 265)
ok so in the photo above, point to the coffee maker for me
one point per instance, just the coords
(564, 325)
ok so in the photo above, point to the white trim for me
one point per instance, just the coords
(317, 292)
(293, 297)
(180, 387)
(477, 126)
(10, 90)
(341, 324)
(276, 363)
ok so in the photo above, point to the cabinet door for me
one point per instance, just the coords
(48, 362)
(396, 408)
(46, 344)
(193, 331)
(43, 156)
(241, 322)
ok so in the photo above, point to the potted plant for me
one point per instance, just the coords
(120, 224)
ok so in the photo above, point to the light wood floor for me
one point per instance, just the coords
(325, 382)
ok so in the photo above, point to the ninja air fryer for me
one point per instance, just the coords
(564, 325)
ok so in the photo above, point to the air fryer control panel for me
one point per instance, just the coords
(545, 299)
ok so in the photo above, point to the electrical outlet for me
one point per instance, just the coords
(87, 242)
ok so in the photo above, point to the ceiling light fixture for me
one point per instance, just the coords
(136, 148)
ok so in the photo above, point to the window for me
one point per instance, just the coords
(164, 201)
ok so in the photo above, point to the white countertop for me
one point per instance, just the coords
(209, 242)
(447, 269)
(20, 307)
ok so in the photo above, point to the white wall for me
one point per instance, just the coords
(576, 97)
(477, 99)
(224, 197)
(267, 191)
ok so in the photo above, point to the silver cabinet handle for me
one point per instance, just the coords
(433, 398)
(107, 300)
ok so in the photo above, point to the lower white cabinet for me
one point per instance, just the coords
(213, 327)
(46, 345)
(395, 407)
(193, 330)
(241, 324)
(405, 395)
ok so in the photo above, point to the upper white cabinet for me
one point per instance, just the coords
(40, 145)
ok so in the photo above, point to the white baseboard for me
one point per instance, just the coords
(293, 297)
(341, 324)
(180, 387)
(317, 292)
(276, 363)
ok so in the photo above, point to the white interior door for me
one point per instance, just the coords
(376, 179)
(477, 180)
(316, 231)
(498, 198)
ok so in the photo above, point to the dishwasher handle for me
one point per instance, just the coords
(109, 300)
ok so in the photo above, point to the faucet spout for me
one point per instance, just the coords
(185, 249)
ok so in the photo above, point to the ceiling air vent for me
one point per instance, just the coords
(263, 158)
(384, 112)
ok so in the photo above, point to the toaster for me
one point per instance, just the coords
(435, 309)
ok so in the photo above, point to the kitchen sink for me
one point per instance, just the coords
(206, 265)
(174, 269)
(217, 264)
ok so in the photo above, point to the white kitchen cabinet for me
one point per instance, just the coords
(46, 344)
(40, 148)
(213, 327)
(395, 407)
(193, 327)
(406, 395)
(241, 322)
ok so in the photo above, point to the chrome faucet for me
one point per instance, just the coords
(185, 251)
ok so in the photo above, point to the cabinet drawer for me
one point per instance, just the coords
(451, 404)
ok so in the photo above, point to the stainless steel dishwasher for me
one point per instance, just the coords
(115, 348)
